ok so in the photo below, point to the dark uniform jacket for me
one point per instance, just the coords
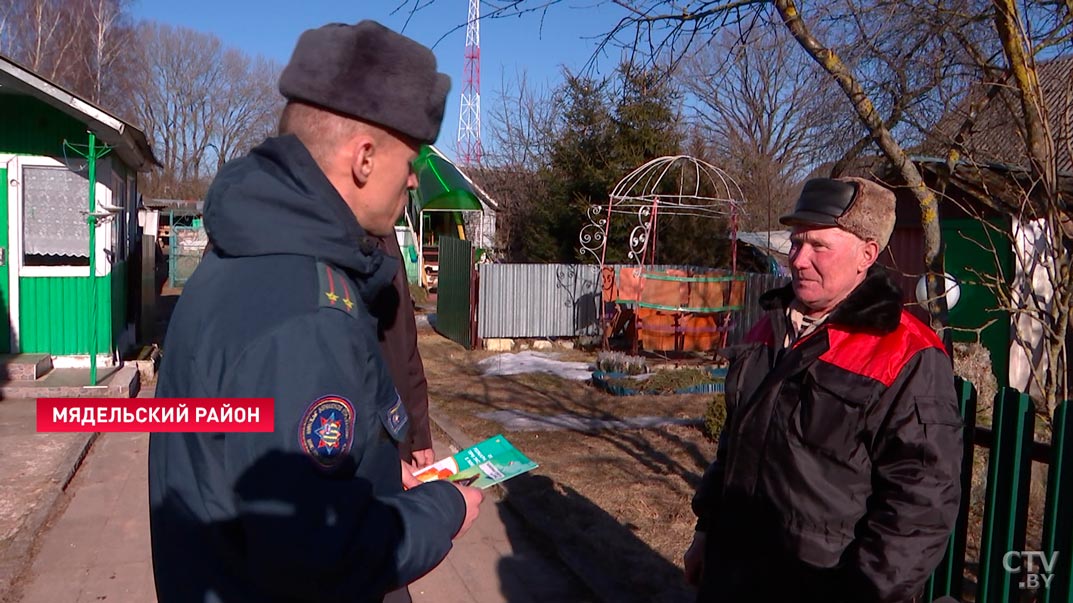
(394, 310)
(314, 511)
(837, 473)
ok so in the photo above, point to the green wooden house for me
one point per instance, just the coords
(47, 245)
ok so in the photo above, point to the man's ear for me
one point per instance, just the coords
(362, 158)
(869, 255)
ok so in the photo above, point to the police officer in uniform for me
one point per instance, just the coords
(315, 510)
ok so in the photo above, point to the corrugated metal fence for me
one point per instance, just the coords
(755, 286)
(562, 300)
(538, 300)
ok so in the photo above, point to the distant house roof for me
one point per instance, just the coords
(988, 186)
(482, 195)
(182, 207)
(770, 242)
(128, 141)
(995, 137)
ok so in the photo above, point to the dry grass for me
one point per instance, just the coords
(623, 494)
(972, 362)
(977, 503)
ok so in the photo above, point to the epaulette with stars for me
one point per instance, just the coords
(334, 289)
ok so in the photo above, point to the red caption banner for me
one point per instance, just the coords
(156, 414)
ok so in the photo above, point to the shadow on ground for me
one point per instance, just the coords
(618, 507)
(533, 572)
(595, 545)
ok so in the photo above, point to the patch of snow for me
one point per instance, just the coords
(535, 362)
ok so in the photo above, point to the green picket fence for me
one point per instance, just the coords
(1058, 518)
(947, 578)
(1012, 450)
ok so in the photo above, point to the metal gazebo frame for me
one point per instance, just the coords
(675, 185)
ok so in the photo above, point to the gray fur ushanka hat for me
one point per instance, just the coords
(371, 73)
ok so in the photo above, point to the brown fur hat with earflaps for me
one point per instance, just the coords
(858, 206)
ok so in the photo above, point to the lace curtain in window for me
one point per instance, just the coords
(55, 202)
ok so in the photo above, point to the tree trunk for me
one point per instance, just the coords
(866, 112)
(1045, 194)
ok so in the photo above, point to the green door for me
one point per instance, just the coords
(5, 295)
(978, 306)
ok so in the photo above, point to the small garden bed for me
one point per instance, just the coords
(669, 381)
(623, 375)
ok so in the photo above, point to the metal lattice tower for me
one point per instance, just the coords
(469, 114)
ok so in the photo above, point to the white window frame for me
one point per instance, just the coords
(16, 203)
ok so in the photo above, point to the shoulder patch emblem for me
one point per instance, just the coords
(327, 430)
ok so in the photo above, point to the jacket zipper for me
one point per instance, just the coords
(737, 426)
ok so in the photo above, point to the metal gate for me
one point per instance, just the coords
(456, 294)
(185, 248)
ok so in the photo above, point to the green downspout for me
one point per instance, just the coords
(92, 160)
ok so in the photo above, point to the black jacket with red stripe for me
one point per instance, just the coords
(837, 472)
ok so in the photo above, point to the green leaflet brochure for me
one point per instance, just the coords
(482, 465)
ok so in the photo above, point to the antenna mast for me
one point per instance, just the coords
(469, 115)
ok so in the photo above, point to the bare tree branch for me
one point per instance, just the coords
(893, 151)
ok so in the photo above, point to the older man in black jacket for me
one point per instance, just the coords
(836, 475)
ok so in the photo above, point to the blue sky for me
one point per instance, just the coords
(533, 43)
